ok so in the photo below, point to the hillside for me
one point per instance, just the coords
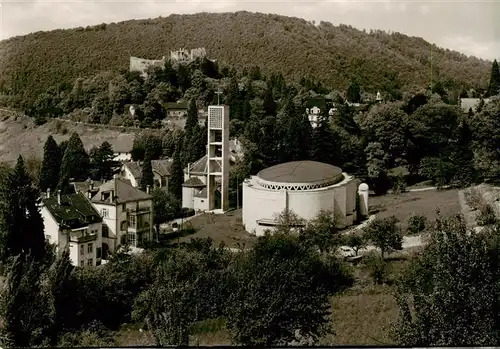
(332, 54)
(19, 136)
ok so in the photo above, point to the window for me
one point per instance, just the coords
(82, 263)
(98, 252)
(47, 237)
(131, 239)
(131, 221)
(105, 231)
(124, 207)
(123, 225)
(90, 262)
(104, 213)
(90, 248)
(82, 250)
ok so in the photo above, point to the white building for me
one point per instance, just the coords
(122, 147)
(132, 172)
(72, 222)
(127, 214)
(303, 187)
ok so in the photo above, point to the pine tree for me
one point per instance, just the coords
(354, 93)
(21, 224)
(147, 177)
(269, 105)
(494, 87)
(323, 148)
(176, 176)
(51, 165)
(189, 130)
(75, 163)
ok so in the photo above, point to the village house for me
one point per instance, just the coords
(131, 171)
(122, 147)
(71, 222)
(177, 110)
(127, 214)
(316, 106)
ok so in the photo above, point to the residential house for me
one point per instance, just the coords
(316, 106)
(122, 147)
(177, 110)
(161, 172)
(127, 214)
(71, 222)
(88, 186)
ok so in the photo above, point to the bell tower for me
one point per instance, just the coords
(218, 157)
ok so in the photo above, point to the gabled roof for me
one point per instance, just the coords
(75, 211)
(162, 167)
(193, 182)
(122, 192)
(179, 106)
(84, 187)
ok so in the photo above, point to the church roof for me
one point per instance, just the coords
(193, 182)
(301, 172)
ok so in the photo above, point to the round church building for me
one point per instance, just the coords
(303, 187)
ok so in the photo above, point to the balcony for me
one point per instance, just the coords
(139, 210)
(84, 237)
(139, 227)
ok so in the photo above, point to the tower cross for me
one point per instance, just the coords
(219, 92)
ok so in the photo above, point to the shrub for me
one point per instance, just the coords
(486, 215)
(416, 224)
(378, 268)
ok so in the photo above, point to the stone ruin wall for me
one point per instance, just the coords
(181, 55)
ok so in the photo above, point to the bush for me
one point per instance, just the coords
(416, 224)
(378, 268)
(486, 215)
(399, 184)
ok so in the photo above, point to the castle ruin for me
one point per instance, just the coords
(179, 56)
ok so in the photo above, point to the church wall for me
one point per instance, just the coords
(307, 204)
(188, 197)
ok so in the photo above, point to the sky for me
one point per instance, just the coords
(468, 27)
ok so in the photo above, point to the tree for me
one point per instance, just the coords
(356, 241)
(75, 163)
(449, 294)
(377, 167)
(280, 291)
(26, 310)
(100, 160)
(176, 176)
(384, 233)
(146, 142)
(147, 177)
(51, 165)
(21, 224)
(354, 93)
(494, 86)
(165, 208)
(323, 231)
(269, 105)
(323, 143)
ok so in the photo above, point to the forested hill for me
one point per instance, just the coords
(295, 47)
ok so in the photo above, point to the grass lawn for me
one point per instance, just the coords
(220, 227)
(424, 203)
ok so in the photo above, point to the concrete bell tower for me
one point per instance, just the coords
(218, 157)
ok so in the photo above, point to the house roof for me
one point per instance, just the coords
(178, 106)
(162, 167)
(75, 210)
(193, 182)
(84, 187)
(122, 192)
(320, 102)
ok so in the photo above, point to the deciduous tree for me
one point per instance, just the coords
(385, 234)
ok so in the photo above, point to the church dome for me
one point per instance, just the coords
(299, 175)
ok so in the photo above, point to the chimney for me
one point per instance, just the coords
(111, 196)
(89, 194)
(59, 197)
(91, 185)
(147, 188)
(189, 169)
(48, 193)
